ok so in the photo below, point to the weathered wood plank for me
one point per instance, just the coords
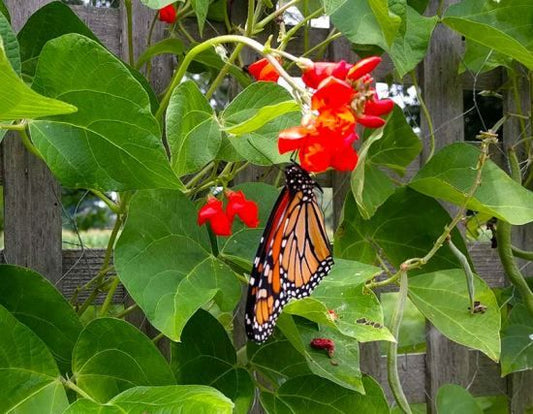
(104, 23)
(32, 197)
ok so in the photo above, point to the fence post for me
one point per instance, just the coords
(32, 197)
(446, 361)
(520, 383)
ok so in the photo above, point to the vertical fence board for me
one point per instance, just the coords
(446, 362)
(32, 197)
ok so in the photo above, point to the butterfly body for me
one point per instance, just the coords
(293, 255)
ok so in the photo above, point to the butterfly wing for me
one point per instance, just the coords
(293, 255)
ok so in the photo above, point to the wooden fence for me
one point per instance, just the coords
(33, 203)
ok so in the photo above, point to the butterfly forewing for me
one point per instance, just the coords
(293, 255)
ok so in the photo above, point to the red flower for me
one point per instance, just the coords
(371, 121)
(363, 67)
(263, 70)
(318, 71)
(168, 14)
(332, 93)
(247, 210)
(213, 213)
(378, 107)
(324, 343)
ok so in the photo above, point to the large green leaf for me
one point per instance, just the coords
(242, 245)
(111, 356)
(113, 141)
(170, 45)
(164, 259)
(314, 395)
(478, 58)
(404, 227)
(442, 297)
(454, 399)
(37, 304)
(504, 26)
(364, 22)
(173, 399)
(359, 312)
(192, 129)
(200, 8)
(450, 174)
(50, 21)
(28, 373)
(517, 340)
(206, 356)
(371, 188)
(411, 43)
(11, 46)
(260, 145)
(19, 101)
(342, 367)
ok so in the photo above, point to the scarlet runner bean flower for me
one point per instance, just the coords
(263, 70)
(246, 210)
(168, 14)
(344, 97)
(213, 213)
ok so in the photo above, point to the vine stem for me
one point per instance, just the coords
(189, 57)
(288, 36)
(505, 250)
(522, 254)
(468, 272)
(427, 115)
(392, 351)
(28, 144)
(260, 25)
(113, 206)
(109, 297)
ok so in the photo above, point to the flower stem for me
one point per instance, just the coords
(392, 351)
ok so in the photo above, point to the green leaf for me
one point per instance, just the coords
(442, 297)
(192, 129)
(405, 226)
(4, 11)
(411, 43)
(342, 368)
(11, 46)
(314, 395)
(372, 188)
(454, 399)
(504, 26)
(36, 303)
(173, 399)
(387, 20)
(218, 11)
(479, 59)
(111, 356)
(206, 356)
(158, 4)
(19, 101)
(263, 116)
(173, 46)
(449, 175)
(517, 341)
(331, 6)
(113, 141)
(50, 21)
(260, 145)
(164, 259)
(359, 312)
(200, 8)
(243, 242)
(28, 373)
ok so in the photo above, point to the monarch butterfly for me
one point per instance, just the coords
(293, 255)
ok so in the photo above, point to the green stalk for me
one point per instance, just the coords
(276, 13)
(427, 115)
(522, 254)
(113, 206)
(110, 294)
(131, 58)
(69, 384)
(468, 272)
(28, 144)
(392, 351)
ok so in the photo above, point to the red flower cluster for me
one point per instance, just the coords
(324, 343)
(221, 220)
(263, 70)
(168, 14)
(343, 97)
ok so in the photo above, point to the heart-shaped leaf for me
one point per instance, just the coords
(28, 373)
(111, 356)
(113, 141)
(453, 398)
(442, 297)
(517, 341)
(164, 260)
(11, 46)
(36, 303)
